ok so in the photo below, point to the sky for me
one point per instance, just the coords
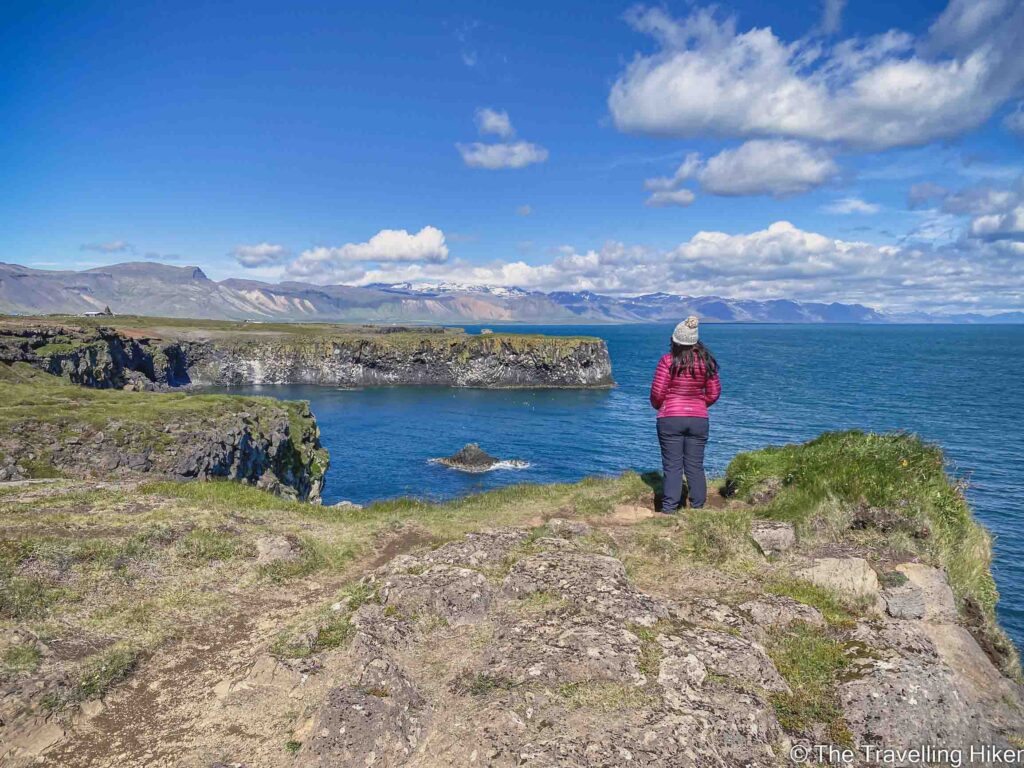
(853, 151)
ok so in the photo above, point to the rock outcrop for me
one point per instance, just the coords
(472, 458)
(572, 665)
(153, 357)
(52, 428)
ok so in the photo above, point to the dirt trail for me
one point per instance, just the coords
(154, 718)
(173, 710)
(215, 697)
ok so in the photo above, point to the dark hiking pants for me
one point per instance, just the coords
(682, 441)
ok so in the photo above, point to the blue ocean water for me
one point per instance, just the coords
(960, 386)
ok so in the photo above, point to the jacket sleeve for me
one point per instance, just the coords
(712, 389)
(659, 387)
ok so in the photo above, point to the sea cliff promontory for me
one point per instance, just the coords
(835, 597)
(158, 353)
(169, 595)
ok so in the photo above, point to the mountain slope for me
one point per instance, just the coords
(147, 288)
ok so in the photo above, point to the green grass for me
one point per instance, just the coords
(202, 546)
(59, 348)
(333, 629)
(897, 471)
(223, 496)
(21, 658)
(314, 555)
(715, 536)
(810, 661)
(835, 609)
(97, 676)
(26, 598)
(650, 652)
(32, 396)
(605, 696)
(482, 683)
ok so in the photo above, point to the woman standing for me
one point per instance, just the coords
(685, 384)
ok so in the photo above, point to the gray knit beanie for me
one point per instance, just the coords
(686, 331)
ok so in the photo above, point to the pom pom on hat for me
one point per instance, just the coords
(687, 332)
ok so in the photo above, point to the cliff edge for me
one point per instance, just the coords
(837, 594)
(152, 353)
(50, 428)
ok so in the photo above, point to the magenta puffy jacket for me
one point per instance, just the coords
(683, 395)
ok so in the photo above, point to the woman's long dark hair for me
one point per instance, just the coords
(685, 359)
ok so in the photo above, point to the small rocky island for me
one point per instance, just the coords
(472, 458)
(158, 353)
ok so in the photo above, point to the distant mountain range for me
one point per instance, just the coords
(147, 288)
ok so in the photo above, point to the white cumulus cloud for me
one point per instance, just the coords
(661, 198)
(492, 157)
(389, 245)
(846, 205)
(1000, 226)
(779, 168)
(259, 255)
(888, 90)
(506, 154)
(781, 261)
(494, 122)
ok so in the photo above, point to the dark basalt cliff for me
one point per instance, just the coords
(51, 428)
(158, 357)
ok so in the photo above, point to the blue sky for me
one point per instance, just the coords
(864, 152)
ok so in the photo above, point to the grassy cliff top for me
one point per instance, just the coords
(97, 579)
(42, 410)
(231, 331)
(32, 395)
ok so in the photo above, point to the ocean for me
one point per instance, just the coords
(959, 386)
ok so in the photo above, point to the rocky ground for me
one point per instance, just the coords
(210, 624)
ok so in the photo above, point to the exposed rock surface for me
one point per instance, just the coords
(565, 663)
(150, 358)
(772, 537)
(472, 458)
(851, 575)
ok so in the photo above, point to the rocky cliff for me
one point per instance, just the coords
(51, 428)
(837, 598)
(143, 354)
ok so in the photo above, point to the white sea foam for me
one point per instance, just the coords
(507, 464)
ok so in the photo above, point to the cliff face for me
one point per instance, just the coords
(443, 360)
(104, 357)
(53, 428)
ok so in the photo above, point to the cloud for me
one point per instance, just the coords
(518, 154)
(925, 193)
(664, 197)
(780, 261)
(260, 255)
(847, 205)
(114, 246)
(508, 154)
(494, 122)
(757, 167)
(1000, 226)
(831, 16)
(524, 210)
(1015, 120)
(389, 245)
(888, 90)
